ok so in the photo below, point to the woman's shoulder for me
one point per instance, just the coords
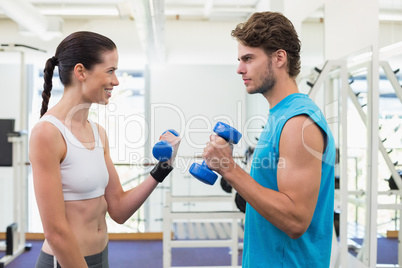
(44, 135)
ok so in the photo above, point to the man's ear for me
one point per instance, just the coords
(281, 58)
(80, 72)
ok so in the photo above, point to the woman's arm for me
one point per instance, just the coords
(123, 204)
(46, 150)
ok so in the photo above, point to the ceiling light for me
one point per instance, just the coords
(25, 14)
(30, 20)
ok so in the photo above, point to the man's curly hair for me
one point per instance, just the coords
(271, 31)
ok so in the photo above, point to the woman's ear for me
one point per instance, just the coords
(80, 72)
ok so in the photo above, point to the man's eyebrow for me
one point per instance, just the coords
(245, 56)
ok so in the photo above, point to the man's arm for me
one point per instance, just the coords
(291, 208)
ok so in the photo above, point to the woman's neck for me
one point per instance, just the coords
(72, 109)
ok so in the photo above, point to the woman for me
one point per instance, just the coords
(74, 177)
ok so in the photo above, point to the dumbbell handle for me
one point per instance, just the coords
(202, 171)
(163, 150)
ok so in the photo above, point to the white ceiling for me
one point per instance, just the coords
(173, 9)
(42, 16)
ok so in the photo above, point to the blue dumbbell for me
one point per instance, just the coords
(163, 150)
(202, 171)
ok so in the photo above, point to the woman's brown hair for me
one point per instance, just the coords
(79, 47)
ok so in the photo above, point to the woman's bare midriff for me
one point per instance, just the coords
(87, 221)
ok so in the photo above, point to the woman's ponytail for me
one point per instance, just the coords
(48, 84)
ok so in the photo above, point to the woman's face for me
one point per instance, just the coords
(102, 78)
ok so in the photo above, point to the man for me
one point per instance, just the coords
(290, 190)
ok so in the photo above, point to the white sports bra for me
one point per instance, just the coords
(83, 172)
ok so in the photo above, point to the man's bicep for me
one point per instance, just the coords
(299, 175)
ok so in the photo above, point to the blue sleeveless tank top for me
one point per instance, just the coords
(264, 244)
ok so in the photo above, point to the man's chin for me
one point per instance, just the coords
(253, 91)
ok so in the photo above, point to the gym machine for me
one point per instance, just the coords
(12, 154)
(337, 78)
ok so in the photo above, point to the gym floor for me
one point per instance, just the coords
(141, 254)
(148, 254)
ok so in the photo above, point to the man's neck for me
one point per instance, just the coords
(281, 90)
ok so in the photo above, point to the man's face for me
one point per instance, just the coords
(256, 69)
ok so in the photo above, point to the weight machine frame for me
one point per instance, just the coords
(16, 233)
(15, 241)
(340, 70)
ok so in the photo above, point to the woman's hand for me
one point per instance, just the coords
(174, 141)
